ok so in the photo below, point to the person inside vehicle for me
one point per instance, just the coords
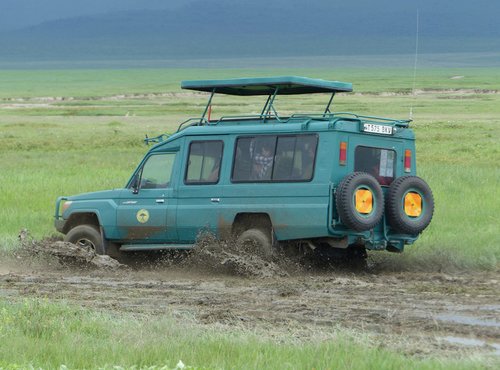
(262, 163)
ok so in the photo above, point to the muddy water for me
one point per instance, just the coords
(414, 313)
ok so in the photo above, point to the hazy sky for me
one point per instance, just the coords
(97, 29)
(15, 14)
(21, 13)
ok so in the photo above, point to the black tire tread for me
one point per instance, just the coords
(395, 215)
(348, 215)
(88, 231)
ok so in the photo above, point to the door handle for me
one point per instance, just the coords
(160, 201)
(215, 200)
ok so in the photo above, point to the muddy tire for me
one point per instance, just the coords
(86, 236)
(257, 239)
(352, 212)
(401, 219)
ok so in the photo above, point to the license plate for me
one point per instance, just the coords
(377, 129)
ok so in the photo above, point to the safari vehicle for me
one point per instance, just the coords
(334, 181)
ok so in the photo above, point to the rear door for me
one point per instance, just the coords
(200, 190)
(380, 158)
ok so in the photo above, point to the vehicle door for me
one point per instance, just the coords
(146, 211)
(200, 190)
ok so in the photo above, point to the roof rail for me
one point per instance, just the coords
(396, 122)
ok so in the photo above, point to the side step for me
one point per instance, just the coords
(155, 247)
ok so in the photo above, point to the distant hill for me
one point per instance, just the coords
(223, 28)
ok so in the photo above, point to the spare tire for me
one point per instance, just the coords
(409, 205)
(360, 201)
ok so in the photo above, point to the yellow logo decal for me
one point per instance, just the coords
(142, 216)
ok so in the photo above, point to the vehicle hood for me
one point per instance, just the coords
(103, 194)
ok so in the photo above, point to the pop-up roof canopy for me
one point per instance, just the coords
(270, 86)
(287, 85)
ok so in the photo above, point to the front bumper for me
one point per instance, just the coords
(59, 224)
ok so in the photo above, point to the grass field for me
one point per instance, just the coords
(67, 132)
(64, 335)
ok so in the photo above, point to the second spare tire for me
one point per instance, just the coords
(410, 205)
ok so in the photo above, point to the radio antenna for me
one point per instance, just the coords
(414, 96)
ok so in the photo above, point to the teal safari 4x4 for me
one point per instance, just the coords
(329, 181)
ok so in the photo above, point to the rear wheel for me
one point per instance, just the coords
(86, 236)
(360, 201)
(258, 240)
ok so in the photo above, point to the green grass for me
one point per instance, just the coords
(103, 82)
(94, 141)
(39, 334)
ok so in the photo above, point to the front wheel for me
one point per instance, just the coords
(86, 236)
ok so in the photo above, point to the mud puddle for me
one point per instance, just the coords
(468, 342)
(414, 313)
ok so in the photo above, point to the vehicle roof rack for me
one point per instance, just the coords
(270, 86)
(282, 85)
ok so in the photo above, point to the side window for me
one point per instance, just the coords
(295, 158)
(157, 170)
(274, 158)
(254, 159)
(378, 162)
(204, 161)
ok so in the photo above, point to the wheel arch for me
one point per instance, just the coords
(81, 218)
(247, 220)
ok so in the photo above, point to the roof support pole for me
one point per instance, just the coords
(269, 104)
(327, 110)
(208, 105)
(265, 106)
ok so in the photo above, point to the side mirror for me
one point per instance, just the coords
(135, 184)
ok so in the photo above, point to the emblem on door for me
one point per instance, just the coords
(142, 216)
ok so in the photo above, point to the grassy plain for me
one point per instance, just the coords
(67, 132)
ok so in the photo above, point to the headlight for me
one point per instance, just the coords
(66, 205)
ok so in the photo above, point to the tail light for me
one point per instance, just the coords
(343, 153)
(407, 160)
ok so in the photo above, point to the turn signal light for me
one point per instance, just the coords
(343, 153)
(407, 160)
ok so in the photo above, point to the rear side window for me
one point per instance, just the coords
(378, 162)
(204, 161)
(295, 157)
(274, 158)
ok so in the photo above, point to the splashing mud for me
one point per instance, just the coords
(65, 253)
(226, 256)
